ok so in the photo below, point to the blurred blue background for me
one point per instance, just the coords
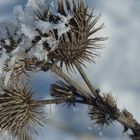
(116, 71)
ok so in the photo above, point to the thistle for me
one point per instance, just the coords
(63, 90)
(73, 45)
(19, 115)
(78, 44)
(39, 38)
(104, 111)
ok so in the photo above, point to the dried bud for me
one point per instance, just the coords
(63, 90)
(19, 115)
(104, 111)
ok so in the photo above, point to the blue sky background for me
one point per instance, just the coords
(116, 71)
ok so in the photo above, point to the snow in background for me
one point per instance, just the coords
(116, 71)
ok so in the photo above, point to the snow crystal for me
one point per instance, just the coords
(90, 128)
(65, 19)
(28, 32)
(100, 133)
(40, 53)
(52, 3)
(24, 28)
(36, 5)
(62, 29)
(9, 73)
(53, 43)
(43, 26)
(18, 12)
(75, 109)
(7, 77)
(7, 42)
(3, 58)
(10, 28)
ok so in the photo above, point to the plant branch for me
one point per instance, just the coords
(84, 76)
(127, 120)
(99, 102)
(51, 101)
(54, 68)
(58, 101)
(124, 117)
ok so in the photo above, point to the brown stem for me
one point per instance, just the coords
(84, 76)
(51, 101)
(69, 80)
(127, 122)
(59, 101)
(130, 123)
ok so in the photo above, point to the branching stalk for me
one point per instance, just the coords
(84, 76)
(60, 73)
(129, 123)
(51, 101)
(126, 121)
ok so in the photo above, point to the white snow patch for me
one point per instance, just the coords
(28, 31)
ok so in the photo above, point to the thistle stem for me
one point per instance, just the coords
(51, 101)
(84, 76)
(69, 80)
(127, 122)
(59, 101)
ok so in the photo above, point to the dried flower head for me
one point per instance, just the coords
(104, 111)
(19, 115)
(78, 44)
(63, 90)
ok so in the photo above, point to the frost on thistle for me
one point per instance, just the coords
(37, 33)
(40, 37)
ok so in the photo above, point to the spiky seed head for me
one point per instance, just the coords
(19, 115)
(63, 90)
(105, 110)
(78, 44)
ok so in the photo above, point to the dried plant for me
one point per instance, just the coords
(19, 114)
(78, 44)
(39, 39)
(105, 111)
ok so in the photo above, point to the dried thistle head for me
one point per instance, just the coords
(19, 115)
(63, 90)
(104, 111)
(79, 43)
